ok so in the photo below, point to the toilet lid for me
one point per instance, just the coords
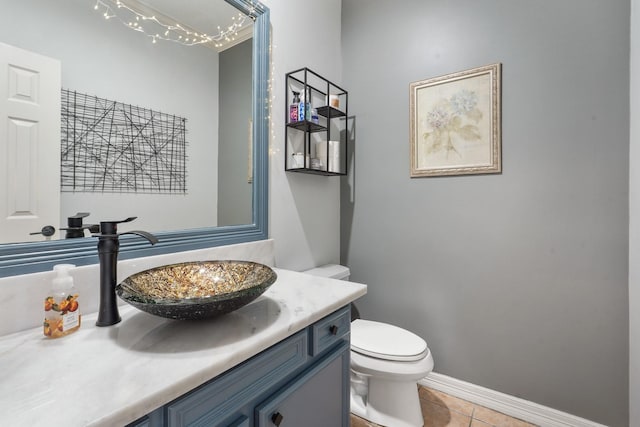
(384, 341)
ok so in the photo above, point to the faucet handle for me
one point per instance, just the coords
(111, 227)
(76, 220)
(75, 227)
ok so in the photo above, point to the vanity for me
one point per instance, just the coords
(281, 360)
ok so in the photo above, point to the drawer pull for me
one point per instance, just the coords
(333, 329)
(277, 418)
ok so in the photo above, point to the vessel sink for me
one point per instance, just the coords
(196, 290)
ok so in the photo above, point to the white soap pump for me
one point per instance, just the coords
(61, 307)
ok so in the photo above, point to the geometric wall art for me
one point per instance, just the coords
(111, 147)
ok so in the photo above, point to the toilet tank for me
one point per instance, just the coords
(332, 271)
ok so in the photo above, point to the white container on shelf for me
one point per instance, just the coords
(335, 155)
(333, 101)
(297, 160)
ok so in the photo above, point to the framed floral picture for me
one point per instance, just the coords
(455, 123)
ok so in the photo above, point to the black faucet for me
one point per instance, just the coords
(108, 246)
(75, 228)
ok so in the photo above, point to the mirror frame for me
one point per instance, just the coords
(22, 258)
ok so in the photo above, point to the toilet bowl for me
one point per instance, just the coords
(386, 364)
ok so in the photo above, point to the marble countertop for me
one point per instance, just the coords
(114, 375)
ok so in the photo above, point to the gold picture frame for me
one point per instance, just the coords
(456, 124)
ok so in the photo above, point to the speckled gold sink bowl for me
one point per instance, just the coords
(196, 290)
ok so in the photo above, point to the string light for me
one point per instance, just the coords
(172, 32)
(273, 141)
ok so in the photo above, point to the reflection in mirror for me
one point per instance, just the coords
(235, 173)
(169, 126)
(139, 119)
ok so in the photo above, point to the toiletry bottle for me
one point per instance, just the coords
(304, 112)
(302, 116)
(61, 310)
(293, 108)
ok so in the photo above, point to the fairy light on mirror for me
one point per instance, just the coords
(159, 28)
(273, 149)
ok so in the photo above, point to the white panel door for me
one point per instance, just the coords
(30, 87)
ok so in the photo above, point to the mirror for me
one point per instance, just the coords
(189, 232)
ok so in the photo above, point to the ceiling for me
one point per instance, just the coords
(202, 16)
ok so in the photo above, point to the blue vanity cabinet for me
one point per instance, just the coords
(317, 398)
(302, 380)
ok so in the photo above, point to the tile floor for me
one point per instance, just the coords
(440, 409)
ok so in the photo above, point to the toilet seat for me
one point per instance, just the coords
(386, 342)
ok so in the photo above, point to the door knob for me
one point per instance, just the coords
(47, 231)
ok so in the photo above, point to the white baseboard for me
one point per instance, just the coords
(509, 405)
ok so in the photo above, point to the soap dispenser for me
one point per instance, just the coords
(61, 309)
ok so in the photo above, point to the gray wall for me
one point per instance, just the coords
(517, 281)
(304, 213)
(234, 190)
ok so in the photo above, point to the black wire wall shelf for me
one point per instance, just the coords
(317, 144)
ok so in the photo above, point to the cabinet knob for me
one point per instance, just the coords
(277, 418)
(333, 329)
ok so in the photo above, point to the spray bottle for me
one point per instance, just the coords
(293, 108)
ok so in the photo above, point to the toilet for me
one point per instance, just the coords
(386, 364)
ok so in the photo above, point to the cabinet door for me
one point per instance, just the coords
(153, 419)
(319, 397)
(240, 422)
(142, 422)
(221, 401)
